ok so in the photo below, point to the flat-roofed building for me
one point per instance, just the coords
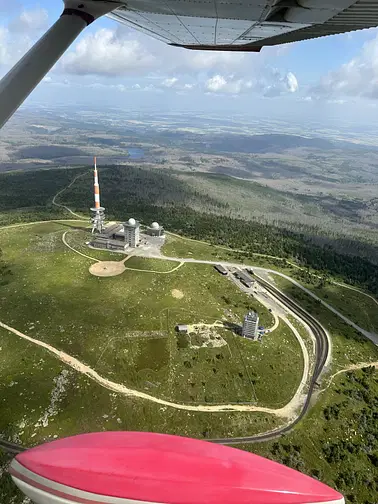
(103, 242)
(250, 325)
(221, 269)
(182, 328)
(244, 278)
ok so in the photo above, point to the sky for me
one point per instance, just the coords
(334, 78)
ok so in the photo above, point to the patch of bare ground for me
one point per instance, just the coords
(107, 268)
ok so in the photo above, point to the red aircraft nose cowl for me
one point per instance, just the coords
(159, 468)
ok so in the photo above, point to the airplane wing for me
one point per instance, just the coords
(244, 25)
(215, 25)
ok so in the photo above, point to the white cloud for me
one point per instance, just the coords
(111, 54)
(274, 83)
(3, 45)
(20, 33)
(337, 101)
(30, 21)
(228, 85)
(269, 82)
(12, 48)
(175, 84)
(357, 77)
(122, 88)
(292, 83)
(170, 82)
(216, 83)
(108, 53)
(120, 51)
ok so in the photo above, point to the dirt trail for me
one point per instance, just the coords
(64, 189)
(76, 251)
(285, 412)
(352, 367)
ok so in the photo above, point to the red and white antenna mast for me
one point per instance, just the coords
(96, 186)
(98, 212)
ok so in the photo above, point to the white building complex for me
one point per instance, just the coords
(250, 325)
(118, 236)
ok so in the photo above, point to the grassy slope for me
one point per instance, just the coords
(355, 305)
(241, 371)
(151, 264)
(96, 402)
(85, 406)
(348, 345)
(307, 339)
(177, 246)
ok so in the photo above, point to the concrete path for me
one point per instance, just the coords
(64, 240)
(371, 336)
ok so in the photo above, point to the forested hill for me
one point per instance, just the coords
(157, 195)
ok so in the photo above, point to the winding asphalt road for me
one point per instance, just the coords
(321, 354)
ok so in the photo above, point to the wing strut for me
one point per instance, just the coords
(20, 81)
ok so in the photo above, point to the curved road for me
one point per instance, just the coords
(321, 354)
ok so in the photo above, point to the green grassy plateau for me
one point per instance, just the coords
(123, 327)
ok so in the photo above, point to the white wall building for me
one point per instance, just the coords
(132, 230)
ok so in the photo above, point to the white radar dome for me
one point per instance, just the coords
(131, 222)
(155, 225)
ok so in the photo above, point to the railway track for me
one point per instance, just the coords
(12, 448)
(321, 352)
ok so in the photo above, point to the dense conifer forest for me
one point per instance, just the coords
(159, 195)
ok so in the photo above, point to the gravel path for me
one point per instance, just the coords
(286, 412)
